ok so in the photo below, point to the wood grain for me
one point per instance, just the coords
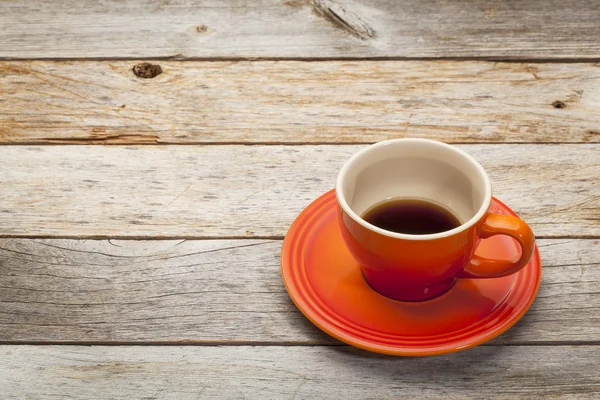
(226, 292)
(545, 29)
(298, 102)
(70, 372)
(253, 191)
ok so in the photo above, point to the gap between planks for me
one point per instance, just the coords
(123, 143)
(506, 59)
(200, 237)
(262, 344)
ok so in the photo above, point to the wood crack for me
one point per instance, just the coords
(343, 19)
(95, 138)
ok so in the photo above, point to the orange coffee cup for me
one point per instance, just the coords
(420, 267)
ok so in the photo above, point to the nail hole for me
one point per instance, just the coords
(559, 104)
(147, 70)
(200, 30)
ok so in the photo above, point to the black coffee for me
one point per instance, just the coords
(414, 217)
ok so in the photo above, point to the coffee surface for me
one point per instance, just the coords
(414, 217)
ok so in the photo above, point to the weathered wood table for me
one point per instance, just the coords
(142, 214)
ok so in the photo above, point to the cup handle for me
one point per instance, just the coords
(494, 224)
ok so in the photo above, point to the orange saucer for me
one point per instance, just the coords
(326, 284)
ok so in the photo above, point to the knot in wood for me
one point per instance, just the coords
(147, 70)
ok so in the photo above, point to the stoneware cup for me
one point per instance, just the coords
(421, 267)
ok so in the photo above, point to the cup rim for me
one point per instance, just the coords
(432, 236)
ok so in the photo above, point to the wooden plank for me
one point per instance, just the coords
(298, 102)
(226, 292)
(300, 28)
(126, 372)
(253, 191)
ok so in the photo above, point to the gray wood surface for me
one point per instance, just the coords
(258, 105)
(298, 102)
(547, 29)
(227, 292)
(139, 372)
(254, 191)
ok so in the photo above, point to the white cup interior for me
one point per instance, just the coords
(417, 169)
